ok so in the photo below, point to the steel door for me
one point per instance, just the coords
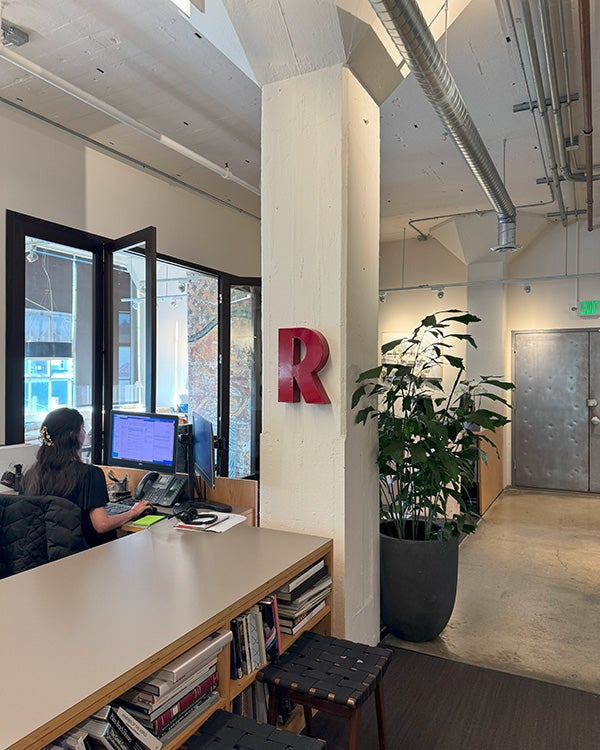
(555, 440)
(594, 411)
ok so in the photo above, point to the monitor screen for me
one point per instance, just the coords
(204, 449)
(144, 441)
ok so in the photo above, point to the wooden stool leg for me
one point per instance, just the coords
(380, 719)
(307, 720)
(272, 713)
(353, 730)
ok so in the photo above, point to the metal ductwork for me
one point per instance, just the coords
(409, 31)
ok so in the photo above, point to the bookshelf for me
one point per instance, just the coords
(78, 632)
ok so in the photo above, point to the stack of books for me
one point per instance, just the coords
(256, 638)
(299, 600)
(155, 710)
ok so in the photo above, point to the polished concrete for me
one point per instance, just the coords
(528, 599)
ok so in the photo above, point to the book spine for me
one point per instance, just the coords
(246, 642)
(260, 632)
(294, 628)
(295, 582)
(120, 730)
(147, 739)
(193, 710)
(116, 740)
(160, 722)
(277, 628)
(162, 702)
(183, 665)
(268, 617)
(236, 651)
(253, 636)
(305, 586)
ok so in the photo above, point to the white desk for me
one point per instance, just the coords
(162, 590)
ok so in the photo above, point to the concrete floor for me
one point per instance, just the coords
(528, 599)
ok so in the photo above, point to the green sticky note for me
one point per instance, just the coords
(147, 520)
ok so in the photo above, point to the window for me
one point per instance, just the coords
(98, 324)
(244, 381)
(58, 326)
(59, 348)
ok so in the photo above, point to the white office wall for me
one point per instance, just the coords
(47, 173)
(417, 262)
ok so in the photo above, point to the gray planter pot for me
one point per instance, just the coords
(418, 586)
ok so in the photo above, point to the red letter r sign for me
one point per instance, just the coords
(295, 376)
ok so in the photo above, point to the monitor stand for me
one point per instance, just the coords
(200, 504)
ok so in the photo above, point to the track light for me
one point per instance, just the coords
(440, 291)
(31, 255)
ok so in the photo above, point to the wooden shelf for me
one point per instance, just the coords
(165, 587)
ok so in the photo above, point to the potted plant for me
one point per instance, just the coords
(429, 444)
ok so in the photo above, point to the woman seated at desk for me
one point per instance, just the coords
(59, 470)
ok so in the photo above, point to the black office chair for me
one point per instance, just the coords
(37, 529)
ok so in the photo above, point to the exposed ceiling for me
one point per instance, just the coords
(154, 65)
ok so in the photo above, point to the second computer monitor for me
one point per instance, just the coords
(204, 449)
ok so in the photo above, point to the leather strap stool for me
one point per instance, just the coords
(331, 675)
(225, 731)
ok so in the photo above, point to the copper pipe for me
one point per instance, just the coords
(588, 129)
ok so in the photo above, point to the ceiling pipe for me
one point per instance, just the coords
(588, 129)
(565, 61)
(408, 29)
(534, 61)
(563, 152)
(68, 88)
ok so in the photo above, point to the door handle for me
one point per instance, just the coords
(595, 420)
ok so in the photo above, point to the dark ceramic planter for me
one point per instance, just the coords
(418, 585)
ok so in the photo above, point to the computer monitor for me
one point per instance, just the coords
(144, 441)
(204, 449)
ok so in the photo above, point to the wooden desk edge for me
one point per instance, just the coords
(58, 725)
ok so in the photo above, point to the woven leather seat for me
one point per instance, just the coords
(331, 675)
(225, 731)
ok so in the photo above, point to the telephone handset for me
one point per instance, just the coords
(145, 482)
(160, 489)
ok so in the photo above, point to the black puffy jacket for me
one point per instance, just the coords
(37, 530)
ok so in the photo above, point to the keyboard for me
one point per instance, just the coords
(113, 509)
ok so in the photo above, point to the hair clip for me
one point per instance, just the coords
(45, 436)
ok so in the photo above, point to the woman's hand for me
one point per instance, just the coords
(102, 522)
(139, 508)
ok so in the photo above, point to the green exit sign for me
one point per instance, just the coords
(589, 307)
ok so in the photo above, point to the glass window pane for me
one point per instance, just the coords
(129, 326)
(187, 340)
(244, 397)
(58, 331)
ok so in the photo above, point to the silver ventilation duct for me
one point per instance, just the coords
(409, 31)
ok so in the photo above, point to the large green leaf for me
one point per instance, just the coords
(428, 447)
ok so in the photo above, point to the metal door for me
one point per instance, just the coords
(557, 379)
(594, 411)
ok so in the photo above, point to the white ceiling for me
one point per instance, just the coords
(147, 60)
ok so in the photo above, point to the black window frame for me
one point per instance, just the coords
(18, 227)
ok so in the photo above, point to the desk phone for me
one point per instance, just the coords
(160, 489)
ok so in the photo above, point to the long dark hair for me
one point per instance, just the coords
(55, 470)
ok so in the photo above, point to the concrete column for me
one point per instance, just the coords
(320, 232)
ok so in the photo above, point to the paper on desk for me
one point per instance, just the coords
(224, 522)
